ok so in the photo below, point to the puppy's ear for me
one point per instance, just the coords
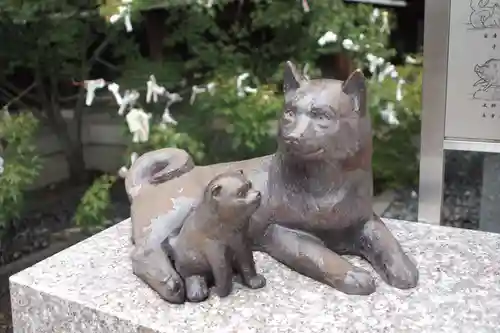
(215, 190)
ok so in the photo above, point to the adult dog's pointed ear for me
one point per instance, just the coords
(291, 78)
(355, 87)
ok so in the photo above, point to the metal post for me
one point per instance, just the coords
(436, 35)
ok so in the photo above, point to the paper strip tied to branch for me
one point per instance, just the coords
(115, 90)
(123, 13)
(124, 170)
(91, 86)
(195, 90)
(138, 124)
(153, 90)
(129, 99)
(172, 98)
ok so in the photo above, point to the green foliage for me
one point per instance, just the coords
(21, 165)
(395, 148)
(233, 127)
(91, 212)
(225, 127)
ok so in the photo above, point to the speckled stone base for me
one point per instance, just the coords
(90, 288)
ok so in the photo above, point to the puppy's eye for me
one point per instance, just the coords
(289, 113)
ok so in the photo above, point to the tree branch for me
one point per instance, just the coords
(20, 95)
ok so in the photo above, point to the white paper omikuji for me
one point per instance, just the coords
(195, 90)
(124, 170)
(374, 62)
(167, 118)
(123, 13)
(154, 90)
(115, 90)
(305, 6)
(138, 124)
(91, 86)
(129, 99)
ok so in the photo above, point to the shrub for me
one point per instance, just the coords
(21, 165)
(91, 212)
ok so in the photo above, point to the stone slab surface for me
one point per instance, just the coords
(90, 288)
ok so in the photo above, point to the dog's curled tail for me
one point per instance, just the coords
(156, 167)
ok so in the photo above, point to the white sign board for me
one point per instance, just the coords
(473, 73)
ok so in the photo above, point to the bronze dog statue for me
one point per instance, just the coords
(316, 195)
(213, 239)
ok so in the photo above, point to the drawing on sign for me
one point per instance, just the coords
(485, 14)
(488, 83)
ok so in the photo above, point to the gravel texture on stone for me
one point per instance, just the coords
(90, 288)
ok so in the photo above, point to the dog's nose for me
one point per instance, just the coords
(291, 140)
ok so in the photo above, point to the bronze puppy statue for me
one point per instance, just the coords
(316, 195)
(213, 237)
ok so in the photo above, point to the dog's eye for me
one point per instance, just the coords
(289, 112)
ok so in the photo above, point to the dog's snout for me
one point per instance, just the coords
(291, 139)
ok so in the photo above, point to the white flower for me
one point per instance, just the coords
(243, 90)
(328, 37)
(410, 60)
(390, 70)
(374, 62)
(385, 22)
(1, 165)
(347, 44)
(361, 36)
(389, 115)
(399, 90)
(375, 15)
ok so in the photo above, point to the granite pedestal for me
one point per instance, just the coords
(90, 288)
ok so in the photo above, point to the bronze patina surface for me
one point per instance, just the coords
(316, 200)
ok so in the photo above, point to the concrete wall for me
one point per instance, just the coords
(104, 146)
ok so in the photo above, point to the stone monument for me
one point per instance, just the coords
(316, 200)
